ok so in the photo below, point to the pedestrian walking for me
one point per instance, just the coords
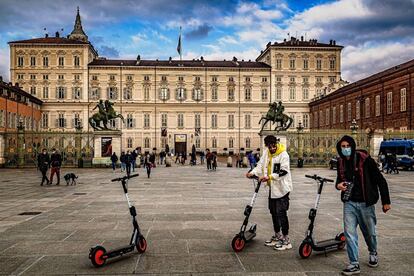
(134, 155)
(148, 164)
(56, 163)
(202, 157)
(209, 158)
(162, 157)
(361, 184)
(114, 159)
(128, 162)
(274, 168)
(43, 163)
(214, 161)
(252, 160)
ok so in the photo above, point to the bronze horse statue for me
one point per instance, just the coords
(105, 113)
(275, 115)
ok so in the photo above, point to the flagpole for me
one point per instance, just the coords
(181, 47)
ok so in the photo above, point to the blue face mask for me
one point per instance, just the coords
(346, 152)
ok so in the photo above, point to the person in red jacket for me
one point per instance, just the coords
(361, 184)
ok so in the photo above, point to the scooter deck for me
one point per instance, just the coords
(327, 244)
(120, 251)
(249, 235)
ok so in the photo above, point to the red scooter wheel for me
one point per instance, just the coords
(238, 243)
(142, 245)
(96, 256)
(342, 238)
(305, 250)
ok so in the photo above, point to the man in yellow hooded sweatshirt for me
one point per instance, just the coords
(274, 168)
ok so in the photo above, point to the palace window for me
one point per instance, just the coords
(61, 77)
(61, 92)
(129, 142)
(213, 120)
(292, 93)
(197, 120)
(247, 79)
(334, 115)
(247, 94)
(146, 120)
(247, 142)
(247, 121)
(163, 78)
(305, 64)
(214, 142)
(198, 142)
(292, 63)
(77, 93)
(214, 95)
(332, 79)
(61, 121)
(61, 61)
(197, 94)
(32, 77)
(32, 61)
(146, 93)
(214, 79)
(264, 79)
(327, 117)
(341, 113)
(130, 121)
(377, 105)
(367, 108)
(45, 77)
(45, 92)
(231, 121)
(332, 63)
(128, 93)
(403, 99)
(181, 78)
(305, 93)
(112, 77)
(278, 93)
(20, 76)
(76, 77)
(264, 94)
(231, 79)
(76, 61)
(389, 103)
(230, 96)
(77, 121)
(231, 142)
(45, 61)
(318, 64)
(146, 142)
(45, 120)
(112, 93)
(94, 77)
(95, 94)
(305, 120)
(33, 90)
(357, 110)
(164, 119)
(129, 77)
(146, 78)
(180, 120)
(349, 112)
(278, 64)
(197, 78)
(20, 61)
(180, 95)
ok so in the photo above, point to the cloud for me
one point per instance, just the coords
(199, 33)
(4, 64)
(108, 51)
(139, 38)
(362, 61)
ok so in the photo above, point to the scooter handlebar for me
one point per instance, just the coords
(125, 177)
(315, 177)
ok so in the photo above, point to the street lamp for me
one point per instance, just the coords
(354, 126)
(299, 129)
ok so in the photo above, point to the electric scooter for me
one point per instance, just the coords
(98, 254)
(309, 243)
(239, 241)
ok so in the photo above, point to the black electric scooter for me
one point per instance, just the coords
(239, 241)
(309, 244)
(98, 254)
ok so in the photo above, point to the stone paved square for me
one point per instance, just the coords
(189, 216)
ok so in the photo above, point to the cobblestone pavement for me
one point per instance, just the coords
(189, 216)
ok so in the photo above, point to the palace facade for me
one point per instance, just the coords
(211, 104)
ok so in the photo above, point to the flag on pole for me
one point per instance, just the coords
(179, 50)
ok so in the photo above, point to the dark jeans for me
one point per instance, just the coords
(128, 168)
(44, 176)
(278, 209)
(113, 165)
(148, 167)
(208, 164)
(54, 170)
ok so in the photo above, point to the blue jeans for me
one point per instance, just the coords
(133, 165)
(123, 167)
(356, 213)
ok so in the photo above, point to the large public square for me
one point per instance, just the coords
(189, 216)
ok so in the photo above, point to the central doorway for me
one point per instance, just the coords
(180, 143)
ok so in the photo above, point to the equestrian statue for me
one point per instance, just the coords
(105, 113)
(275, 115)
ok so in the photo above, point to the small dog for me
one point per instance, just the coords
(70, 176)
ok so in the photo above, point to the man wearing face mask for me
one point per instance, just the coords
(358, 173)
(274, 168)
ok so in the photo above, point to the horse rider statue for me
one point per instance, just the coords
(105, 113)
(275, 115)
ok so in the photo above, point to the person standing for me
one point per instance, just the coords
(114, 159)
(122, 160)
(357, 168)
(202, 157)
(274, 168)
(128, 162)
(148, 164)
(209, 158)
(134, 155)
(56, 163)
(43, 163)
(214, 161)
(252, 160)
(162, 156)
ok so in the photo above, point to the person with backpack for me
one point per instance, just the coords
(361, 184)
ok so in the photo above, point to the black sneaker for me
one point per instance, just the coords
(373, 259)
(351, 269)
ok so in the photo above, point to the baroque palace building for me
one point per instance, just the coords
(211, 104)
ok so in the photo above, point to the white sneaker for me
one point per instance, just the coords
(283, 245)
(274, 240)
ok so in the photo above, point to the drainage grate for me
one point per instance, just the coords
(29, 213)
(207, 183)
(79, 194)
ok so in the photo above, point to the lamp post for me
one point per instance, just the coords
(20, 145)
(299, 129)
(78, 144)
(354, 128)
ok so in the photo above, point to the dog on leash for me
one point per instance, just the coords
(70, 177)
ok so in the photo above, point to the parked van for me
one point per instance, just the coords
(402, 148)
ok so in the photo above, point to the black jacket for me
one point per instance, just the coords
(43, 161)
(128, 158)
(114, 158)
(373, 182)
(55, 160)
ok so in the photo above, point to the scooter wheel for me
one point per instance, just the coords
(342, 238)
(96, 256)
(238, 243)
(305, 250)
(142, 245)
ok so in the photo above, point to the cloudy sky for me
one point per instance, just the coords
(377, 34)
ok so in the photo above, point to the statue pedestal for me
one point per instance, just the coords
(105, 143)
(281, 136)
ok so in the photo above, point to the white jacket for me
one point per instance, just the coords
(278, 185)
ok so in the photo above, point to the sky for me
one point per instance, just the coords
(376, 34)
